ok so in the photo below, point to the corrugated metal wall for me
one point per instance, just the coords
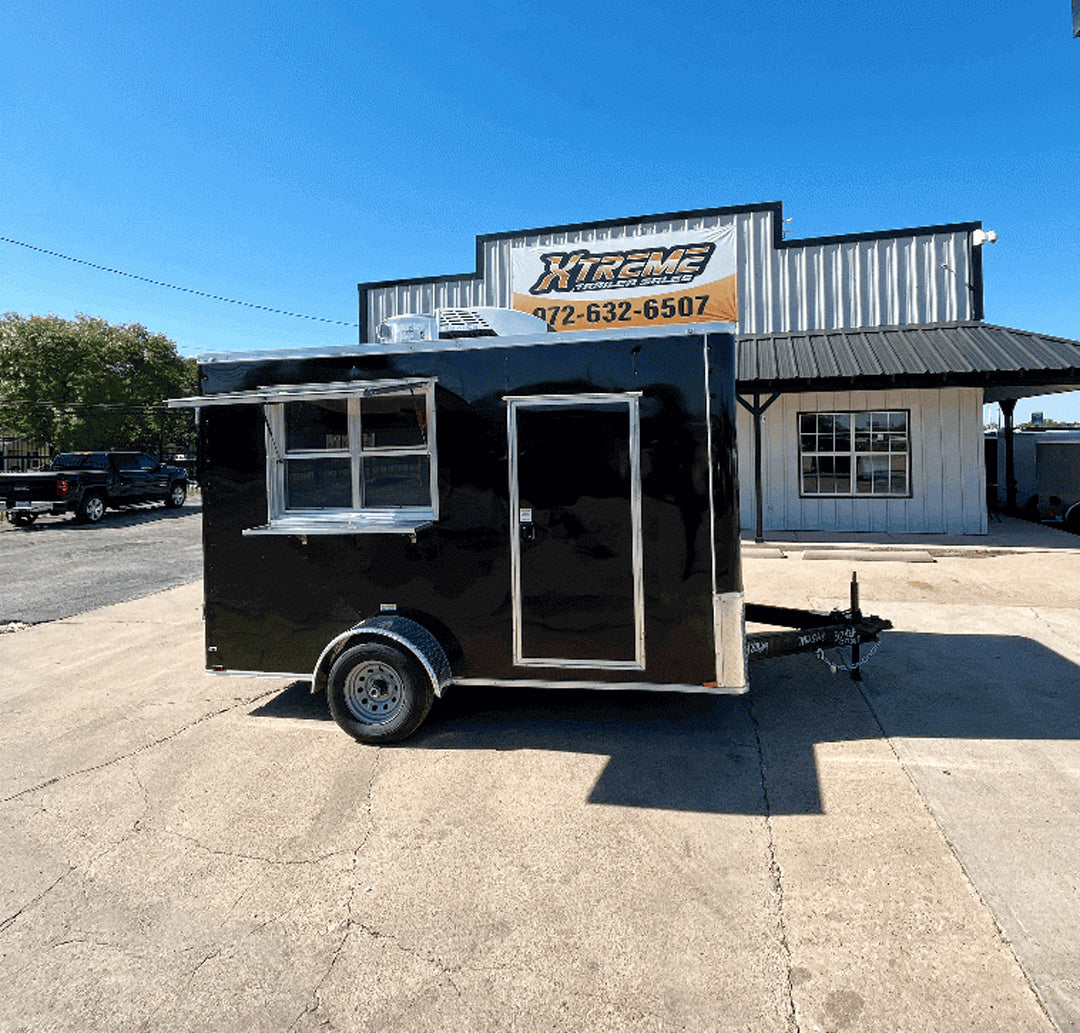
(948, 475)
(924, 278)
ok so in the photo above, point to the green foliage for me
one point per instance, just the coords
(1049, 425)
(85, 384)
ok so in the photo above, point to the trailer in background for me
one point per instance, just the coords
(1057, 481)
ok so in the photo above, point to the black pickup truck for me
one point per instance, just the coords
(85, 483)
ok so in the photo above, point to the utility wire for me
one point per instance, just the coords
(175, 287)
(119, 406)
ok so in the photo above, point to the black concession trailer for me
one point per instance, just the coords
(531, 510)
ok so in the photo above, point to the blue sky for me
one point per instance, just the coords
(280, 152)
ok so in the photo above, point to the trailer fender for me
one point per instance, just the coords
(389, 628)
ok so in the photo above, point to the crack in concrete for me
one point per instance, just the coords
(1039, 614)
(776, 873)
(93, 942)
(314, 1002)
(11, 919)
(259, 858)
(148, 1021)
(140, 749)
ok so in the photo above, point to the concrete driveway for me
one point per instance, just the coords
(190, 853)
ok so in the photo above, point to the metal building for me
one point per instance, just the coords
(863, 360)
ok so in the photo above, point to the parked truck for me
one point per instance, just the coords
(447, 507)
(87, 483)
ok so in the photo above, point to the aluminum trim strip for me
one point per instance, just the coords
(729, 629)
(567, 401)
(258, 674)
(542, 683)
(631, 399)
(301, 392)
(465, 343)
(584, 665)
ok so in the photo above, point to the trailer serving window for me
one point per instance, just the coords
(351, 463)
(345, 458)
(855, 454)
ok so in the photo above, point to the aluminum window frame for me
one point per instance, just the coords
(356, 518)
(854, 454)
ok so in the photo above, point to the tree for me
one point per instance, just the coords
(85, 384)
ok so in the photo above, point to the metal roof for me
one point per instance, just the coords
(1004, 361)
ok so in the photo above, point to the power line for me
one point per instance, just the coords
(175, 287)
(80, 406)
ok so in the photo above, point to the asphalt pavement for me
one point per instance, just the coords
(57, 568)
(196, 853)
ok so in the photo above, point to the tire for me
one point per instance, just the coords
(176, 496)
(379, 693)
(91, 509)
(1072, 519)
(23, 519)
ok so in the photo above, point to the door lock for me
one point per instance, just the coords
(527, 528)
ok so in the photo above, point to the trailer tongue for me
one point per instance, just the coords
(814, 632)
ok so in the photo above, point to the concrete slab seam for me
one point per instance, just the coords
(775, 871)
(1002, 938)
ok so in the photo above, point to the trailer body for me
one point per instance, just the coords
(579, 526)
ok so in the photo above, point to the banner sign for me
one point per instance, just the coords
(686, 276)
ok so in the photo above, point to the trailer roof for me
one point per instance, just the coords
(446, 344)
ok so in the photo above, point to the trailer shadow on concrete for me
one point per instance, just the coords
(755, 754)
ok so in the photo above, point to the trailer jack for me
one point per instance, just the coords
(813, 631)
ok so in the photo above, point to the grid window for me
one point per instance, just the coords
(855, 454)
(364, 457)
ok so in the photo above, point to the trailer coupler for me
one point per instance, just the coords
(813, 631)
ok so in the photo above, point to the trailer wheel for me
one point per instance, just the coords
(379, 693)
(91, 509)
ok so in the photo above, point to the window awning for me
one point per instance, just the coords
(302, 392)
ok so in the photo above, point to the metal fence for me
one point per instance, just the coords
(17, 455)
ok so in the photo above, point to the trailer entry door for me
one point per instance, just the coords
(576, 556)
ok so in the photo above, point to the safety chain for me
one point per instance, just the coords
(846, 667)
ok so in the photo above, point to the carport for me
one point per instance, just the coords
(994, 364)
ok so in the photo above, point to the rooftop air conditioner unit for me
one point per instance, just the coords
(487, 322)
(409, 327)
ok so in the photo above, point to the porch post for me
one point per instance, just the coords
(1008, 406)
(757, 410)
